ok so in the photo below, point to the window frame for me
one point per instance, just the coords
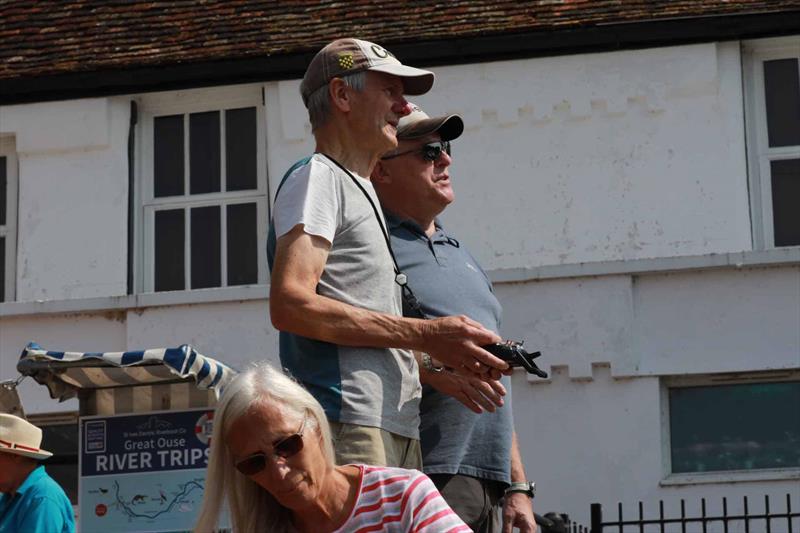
(9, 230)
(759, 153)
(146, 204)
(669, 478)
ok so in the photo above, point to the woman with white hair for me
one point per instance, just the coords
(271, 460)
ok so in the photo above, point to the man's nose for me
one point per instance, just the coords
(401, 106)
(444, 159)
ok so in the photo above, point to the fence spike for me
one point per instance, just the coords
(641, 517)
(789, 511)
(766, 512)
(683, 515)
(661, 514)
(746, 517)
(725, 514)
(703, 509)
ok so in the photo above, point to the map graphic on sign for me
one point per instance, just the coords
(136, 503)
(143, 472)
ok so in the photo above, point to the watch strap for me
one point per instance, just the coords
(524, 487)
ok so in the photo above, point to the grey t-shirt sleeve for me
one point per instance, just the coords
(308, 197)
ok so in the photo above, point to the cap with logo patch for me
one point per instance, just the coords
(348, 56)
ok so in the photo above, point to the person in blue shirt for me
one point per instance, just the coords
(469, 448)
(30, 500)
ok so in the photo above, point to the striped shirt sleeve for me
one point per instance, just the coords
(400, 501)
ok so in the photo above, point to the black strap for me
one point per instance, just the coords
(400, 278)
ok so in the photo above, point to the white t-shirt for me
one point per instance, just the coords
(376, 387)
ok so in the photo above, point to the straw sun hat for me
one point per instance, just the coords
(20, 437)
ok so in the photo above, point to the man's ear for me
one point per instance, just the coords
(380, 174)
(340, 94)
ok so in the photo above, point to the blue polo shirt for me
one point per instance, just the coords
(447, 280)
(38, 506)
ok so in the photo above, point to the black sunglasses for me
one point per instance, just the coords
(284, 448)
(429, 152)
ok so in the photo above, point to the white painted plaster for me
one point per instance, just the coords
(574, 322)
(58, 126)
(288, 133)
(599, 441)
(236, 333)
(680, 323)
(593, 157)
(723, 322)
(73, 208)
(612, 156)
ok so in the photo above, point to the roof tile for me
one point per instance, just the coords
(39, 38)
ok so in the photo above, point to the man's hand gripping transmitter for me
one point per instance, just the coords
(513, 353)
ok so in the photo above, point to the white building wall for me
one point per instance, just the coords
(592, 157)
(569, 160)
(600, 157)
(73, 197)
(599, 440)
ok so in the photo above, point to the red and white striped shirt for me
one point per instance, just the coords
(399, 501)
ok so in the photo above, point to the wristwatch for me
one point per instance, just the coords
(427, 364)
(525, 487)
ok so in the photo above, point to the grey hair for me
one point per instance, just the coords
(319, 102)
(252, 508)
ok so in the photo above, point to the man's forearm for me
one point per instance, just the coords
(296, 307)
(517, 468)
(326, 319)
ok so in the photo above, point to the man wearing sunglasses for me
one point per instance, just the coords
(470, 454)
(335, 295)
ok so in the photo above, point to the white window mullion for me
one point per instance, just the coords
(186, 159)
(223, 157)
(149, 233)
(262, 205)
(187, 218)
(187, 247)
(223, 249)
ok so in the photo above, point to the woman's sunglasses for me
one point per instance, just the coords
(284, 449)
(429, 152)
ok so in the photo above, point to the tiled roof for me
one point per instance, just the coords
(49, 38)
(56, 50)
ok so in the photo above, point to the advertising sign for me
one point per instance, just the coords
(143, 472)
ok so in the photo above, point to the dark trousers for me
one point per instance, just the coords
(475, 501)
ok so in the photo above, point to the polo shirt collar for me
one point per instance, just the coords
(395, 221)
(35, 475)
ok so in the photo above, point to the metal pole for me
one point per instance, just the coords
(597, 518)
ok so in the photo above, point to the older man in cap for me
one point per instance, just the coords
(335, 294)
(471, 456)
(31, 501)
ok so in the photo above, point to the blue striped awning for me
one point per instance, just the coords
(64, 373)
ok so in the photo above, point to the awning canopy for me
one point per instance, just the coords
(65, 373)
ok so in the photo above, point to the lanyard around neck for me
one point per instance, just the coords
(399, 278)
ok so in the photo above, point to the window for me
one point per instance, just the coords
(60, 436)
(204, 191)
(8, 218)
(736, 426)
(773, 84)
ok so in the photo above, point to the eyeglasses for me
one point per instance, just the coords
(429, 152)
(284, 449)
